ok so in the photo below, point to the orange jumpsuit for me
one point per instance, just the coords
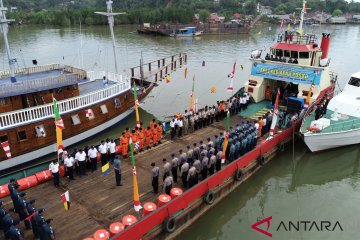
(152, 124)
(261, 123)
(155, 137)
(128, 135)
(141, 139)
(148, 135)
(159, 132)
(124, 145)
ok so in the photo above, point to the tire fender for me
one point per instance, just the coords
(238, 175)
(261, 160)
(209, 197)
(169, 224)
(281, 146)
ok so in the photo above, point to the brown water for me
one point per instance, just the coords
(322, 186)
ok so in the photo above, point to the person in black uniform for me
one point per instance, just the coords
(23, 213)
(48, 232)
(14, 233)
(31, 210)
(2, 214)
(13, 192)
(39, 219)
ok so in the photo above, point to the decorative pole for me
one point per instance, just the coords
(4, 24)
(110, 16)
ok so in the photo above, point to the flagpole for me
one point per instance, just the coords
(136, 106)
(137, 204)
(226, 135)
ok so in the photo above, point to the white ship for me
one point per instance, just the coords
(340, 126)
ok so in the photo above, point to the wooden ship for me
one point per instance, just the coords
(89, 102)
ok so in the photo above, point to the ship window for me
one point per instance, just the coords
(304, 54)
(103, 109)
(40, 131)
(59, 90)
(117, 103)
(294, 54)
(22, 135)
(3, 138)
(286, 53)
(354, 81)
(279, 52)
(2, 101)
(75, 119)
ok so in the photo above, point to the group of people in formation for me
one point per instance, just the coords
(31, 216)
(321, 108)
(201, 160)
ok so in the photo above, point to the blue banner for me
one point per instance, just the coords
(288, 73)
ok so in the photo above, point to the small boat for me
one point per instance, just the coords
(187, 32)
(340, 126)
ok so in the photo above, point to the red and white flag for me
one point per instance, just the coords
(276, 113)
(89, 113)
(5, 145)
(232, 75)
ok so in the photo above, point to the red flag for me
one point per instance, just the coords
(6, 147)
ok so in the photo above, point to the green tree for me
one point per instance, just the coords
(204, 15)
(337, 12)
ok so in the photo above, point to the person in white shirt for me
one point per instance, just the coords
(54, 169)
(80, 157)
(92, 153)
(180, 124)
(172, 126)
(69, 164)
(112, 150)
(103, 150)
(247, 98)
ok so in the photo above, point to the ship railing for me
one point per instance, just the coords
(345, 125)
(95, 75)
(34, 114)
(30, 70)
(18, 87)
(292, 38)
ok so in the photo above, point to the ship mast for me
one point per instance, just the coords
(303, 11)
(110, 16)
(4, 24)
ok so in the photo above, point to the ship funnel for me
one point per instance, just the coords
(325, 45)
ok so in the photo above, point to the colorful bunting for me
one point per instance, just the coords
(5, 145)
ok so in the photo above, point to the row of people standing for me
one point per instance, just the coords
(31, 216)
(321, 108)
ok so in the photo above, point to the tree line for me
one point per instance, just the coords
(63, 12)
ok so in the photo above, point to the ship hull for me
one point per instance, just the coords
(319, 142)
(35, 147)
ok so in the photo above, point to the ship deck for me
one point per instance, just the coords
(86, 86)
(33, 76)
(344, 123)
(95, 200)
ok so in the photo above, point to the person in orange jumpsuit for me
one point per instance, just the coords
(127, 134)
(141, 136)
(152, 124)
(148, 135)
(159, 132)
(155, 135)
(135, 139)
(261, 123)
(124, 143)
(222, 109)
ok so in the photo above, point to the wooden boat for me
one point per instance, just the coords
(89, 102)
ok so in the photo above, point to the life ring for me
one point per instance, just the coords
(238, 175)
(261, 160)
(169, 224)
(209, 197)
(281, 146)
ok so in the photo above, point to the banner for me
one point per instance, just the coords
(286, 73)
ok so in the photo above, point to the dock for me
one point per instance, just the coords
(96, 201)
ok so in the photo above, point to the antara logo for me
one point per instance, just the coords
(306, 226)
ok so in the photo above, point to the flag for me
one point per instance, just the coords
(289, 26)
(226, 134)
(192, 103)
(89, 113)
(137, 204)
(30, 216)
(137, 145)
(5, 145)
(213, 89)
(304, 6)
(185, 72)
(136, 107)
(276, 113)
(66, 200)
(105, 169)
(59, 125)
(196, 106)
(308, 97)
(168, 78)
(294, 17)
(232, 75)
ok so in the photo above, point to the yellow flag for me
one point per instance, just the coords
(213, 89)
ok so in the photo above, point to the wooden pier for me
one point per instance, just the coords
(158, 69)
(95, 200)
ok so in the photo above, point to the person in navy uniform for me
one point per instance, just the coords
(39, 220)
(2, 214)
(48, 232)
(23, 213)
(14, 233)
(31, 210)
(117, 169)
(13, 192)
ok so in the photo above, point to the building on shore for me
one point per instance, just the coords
(337, 20)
